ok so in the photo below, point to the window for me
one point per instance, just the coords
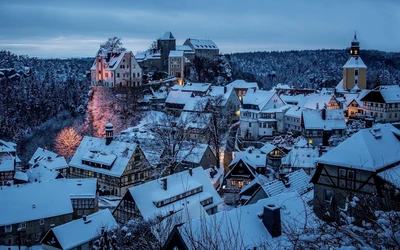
(350, 174)
(249, 124)
(80, 212)
(233, 183)
(328, 195)
(177, 65)
(41, 222)
(240, 184)
(23, 224)
(138, 74)
(342, 173)
(172, 66)
(8, 228)
(117, 74)
(356, 72)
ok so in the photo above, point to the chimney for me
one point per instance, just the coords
(52, 225)
(323, 114)
(225, 89)
(164, 183)
(271, 219)
(84, 218)
(369, 122)
(109, 133)
(191, 171)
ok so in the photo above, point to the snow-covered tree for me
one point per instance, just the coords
(66, 142)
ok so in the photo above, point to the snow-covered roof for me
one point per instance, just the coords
(192, 153)
(242, 84)
(175, 53)
(312, 119)
(183, 48)
(41, 154)
(258, 97)
(294, 111)
(167, 36)
(369, 149)
(196, 103)
(7, 162)
(291, 98)
(196, 87)
(7, 147)
(297, 181)
(48, 159)
(267, 148)
(282, 86)
(177, 184)
(78, 232)
(355, 62)
(245, 223)
(20, 176)
(202, 44)
(301, 157)
(117, 152)
(391, 175)
(40, 173)
(33, 201)
(113, 61)
(252, 157)
(317, 101)
(225, 92)
(178, 97)
(194, 120)
(389, 94)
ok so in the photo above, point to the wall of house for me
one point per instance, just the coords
(383, 112)
(176, 66)
(260, 194)
(208, 159)
(292, 123)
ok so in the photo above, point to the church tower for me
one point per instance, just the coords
(355, 70)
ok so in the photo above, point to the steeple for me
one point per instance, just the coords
(355, 46)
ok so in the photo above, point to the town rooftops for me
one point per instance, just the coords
(77, 232)
(316, 101)
(243, 227)
(258, 97)
(225, 92)
(252, 157)
(7, 147)
(192, 153)
(369, 149)
(196, 103)
(242, 84)
(202, 44)
(40, 173)
(334, 119)
(301, 157)
(196, 87)
(95, 150)
(112, 59)
(175, 185)
(48, 159)
(294, 111)
(355, 62)
(33, 201)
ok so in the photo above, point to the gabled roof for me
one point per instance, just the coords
(41, 154)
(193, 153)
(258, 97)
(95, 150)
(202, 44)
(178, 97)
(48, 159)
(355, 62)
(225, 92)
(185, 48)
(195, 120)
(196, 103)
(33, 201)
(196, 87)
(317, 101)
(177, 184)
(113, 61)
(267, 148)
(242, 84)
(175, 53)
(369, 149)
(251, 233)
(78, 232)
(385, 94)
(40, 173)
(301, 157)
(251, 157)
(312, 119)
(7, 146)
(167, 36)
(294, 111)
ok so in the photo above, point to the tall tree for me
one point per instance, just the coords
(67, 141)
(113, 44)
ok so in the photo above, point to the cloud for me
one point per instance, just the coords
(76, 28)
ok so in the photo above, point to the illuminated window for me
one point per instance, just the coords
(240, 184)
(89, 173)
(233, 183)
(351, 52)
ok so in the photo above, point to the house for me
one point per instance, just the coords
(176, 64)
(49, 160)
(80, 233)
(226, 98)
(241, 87)
(30, 211)
(297, 181)
(274, 154)
(364, 165)
(168, 195)
(194, 156)
(9, 162)
(319, 101)
(319, 124)
(40, 173)
(383, 103)
(198, 89)
(266, 224)
(242, 170)
(352, 103)
(292, 119)
(261, 114)
(176, 101)
(112, 69)
(203, 48)
(117, 165)
(196, 125)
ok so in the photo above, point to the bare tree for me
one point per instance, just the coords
(113, 44)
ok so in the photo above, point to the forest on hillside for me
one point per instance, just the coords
(312, 68)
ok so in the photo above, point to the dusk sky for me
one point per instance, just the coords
(76, 28)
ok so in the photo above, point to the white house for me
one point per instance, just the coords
(168, 195)
(261, 114)
(176, 64)
(49, 160)
(9, 162)
(113, 69)
(241, 87)
(229, 101)
(79, 234)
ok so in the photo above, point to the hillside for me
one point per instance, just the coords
(312, 68)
